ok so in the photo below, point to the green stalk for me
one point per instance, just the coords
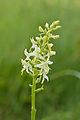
(33, 110)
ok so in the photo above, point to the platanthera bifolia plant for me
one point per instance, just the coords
(37, 60)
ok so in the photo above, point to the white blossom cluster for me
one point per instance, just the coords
(37, 60)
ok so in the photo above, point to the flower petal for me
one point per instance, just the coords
(46, 77)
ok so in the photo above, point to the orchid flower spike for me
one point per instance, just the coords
(37, 60)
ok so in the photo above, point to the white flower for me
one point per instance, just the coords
(27, 55)
(48, 61)
(33, 41)
(37, 49)
(36, 52)
(41, 57)
(52, 53)
(26, 66)
(43, 66)
(34, 44)
(45, 76)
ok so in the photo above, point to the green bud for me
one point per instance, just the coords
(55, 36)
(44, 38)
(57, 27)
(41, 29)
(47, 25)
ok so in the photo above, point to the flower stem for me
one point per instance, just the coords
(33, 110)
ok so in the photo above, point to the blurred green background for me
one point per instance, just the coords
(19, 21)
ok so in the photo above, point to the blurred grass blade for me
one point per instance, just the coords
(66, 72)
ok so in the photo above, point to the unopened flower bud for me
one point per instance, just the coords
(44, 38)
(52, 25)
(41, 29)
(57, 27)
(50, 45)
(33, 41)
(23, 61)
(47, 25)
(52, 52)
(56, 22)
(37, 38)
(55, 36)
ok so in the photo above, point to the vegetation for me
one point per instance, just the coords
(60, 99)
